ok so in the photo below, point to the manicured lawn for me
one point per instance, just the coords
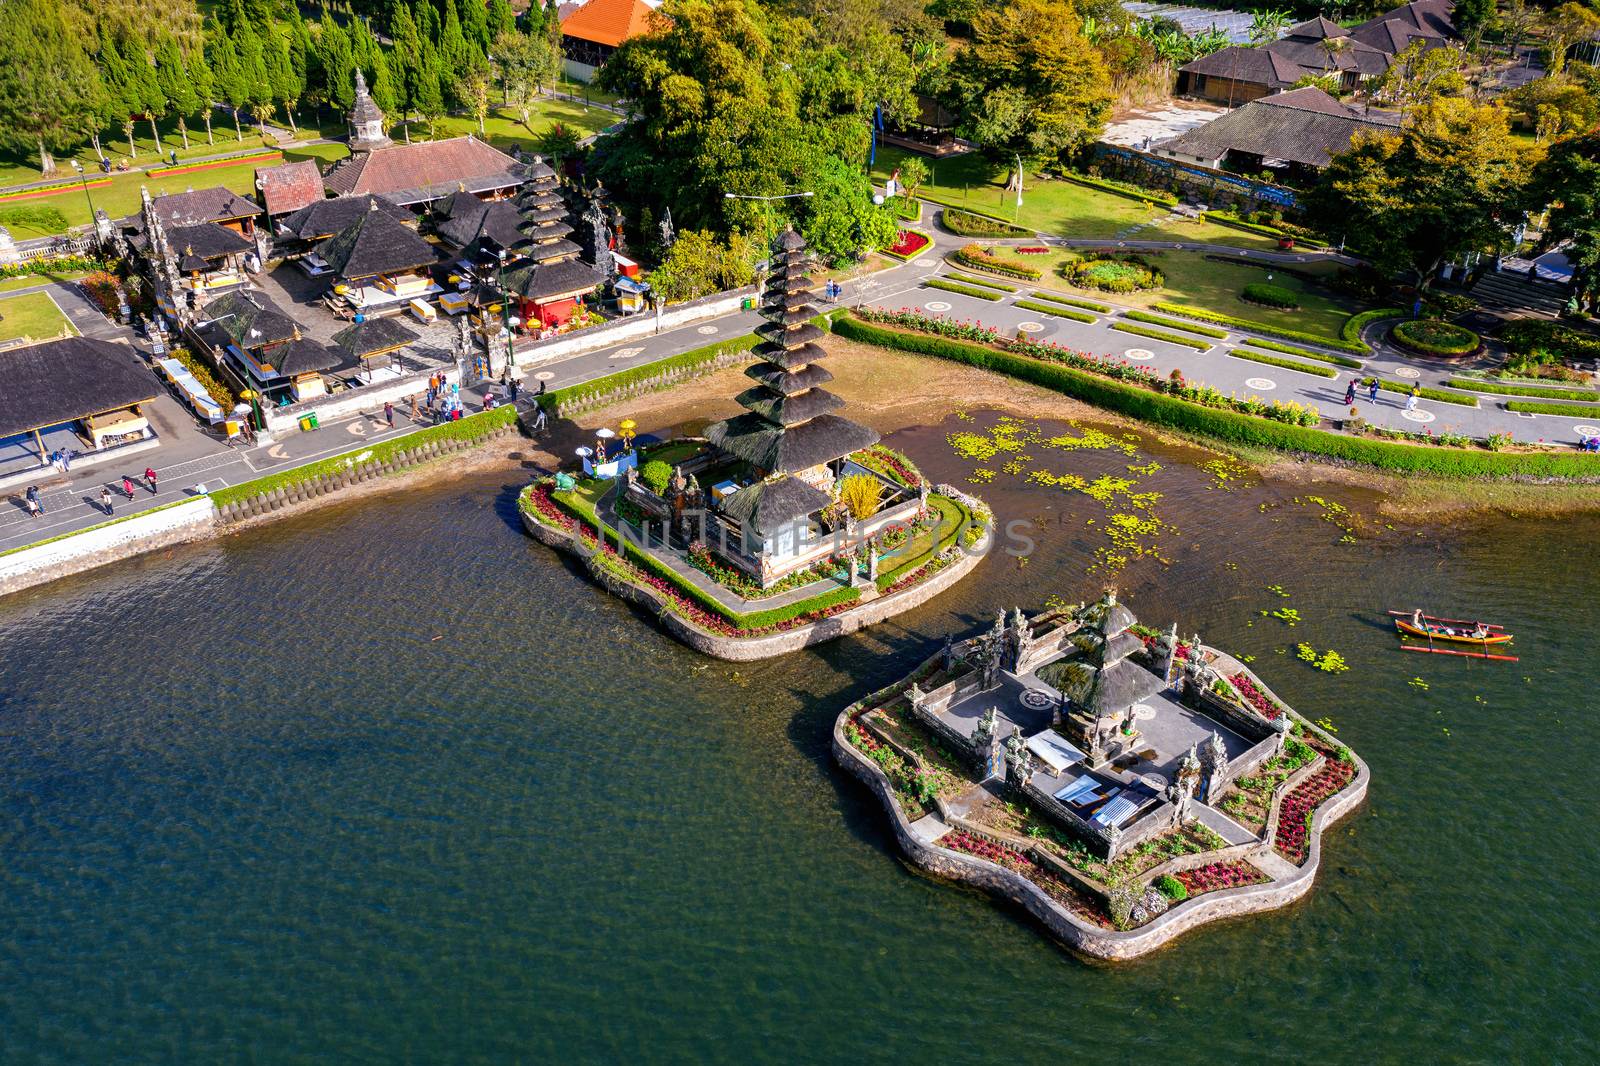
(1056, 208)
(121, 197)
(34, 315)
(22, 168)
(1193, 279)
(28, 281)
(504, 127)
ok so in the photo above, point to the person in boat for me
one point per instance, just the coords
(1416, 619)
(1480, 632)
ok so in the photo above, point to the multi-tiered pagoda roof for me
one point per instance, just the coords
(549, 265)
(790, 432)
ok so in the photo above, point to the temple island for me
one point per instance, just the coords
(783, 526)
(1119, 784)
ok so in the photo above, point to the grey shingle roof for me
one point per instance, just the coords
(375, 244)
(202, 205)
(249, 319)
(327, 217)
(207, 241)
(59, 381)
(768, 505)
(1299, 127)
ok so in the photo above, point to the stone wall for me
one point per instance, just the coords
(961, 746)
(625, 329)
(192, 519)
(748, 649)
(1247, 724)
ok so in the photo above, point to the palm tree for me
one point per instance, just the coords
(1267, 26)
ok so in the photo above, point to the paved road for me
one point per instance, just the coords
(189, 455)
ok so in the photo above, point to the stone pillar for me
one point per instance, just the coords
(872, 562)
(1214, 758)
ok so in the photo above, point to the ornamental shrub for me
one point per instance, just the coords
(964, 290)
(979, 258)
(861, 493)
(966, 224)
(1171, 887)
(655, 474)
(1269, 295)
(1127, 273)
(1553, 340)
(1432, 337)
(1288, 364)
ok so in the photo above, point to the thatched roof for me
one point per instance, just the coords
(768, 506)
(249, 319)
(789, 449)
(473, 223)
(63, 380)
(788, 410)
(327, 217)
(302, 356)
(788, 382)
(789, 336)
(541, 251)
(375, 244)
(372, 336)
(548, 280)
(207, 241)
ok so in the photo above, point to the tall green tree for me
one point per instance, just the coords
(430, 102)
(526, 63)
(1474, 18)
(501, 18)
(455, 55)
(1029, 84)
(385, 92)
(1445, 185)
(51, 96)
(337, 60)
(1567, 181)
(229, 78)
(475, 25)
(176, 85)
(205, 85)
(840, 221)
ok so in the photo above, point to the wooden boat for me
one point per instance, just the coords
(1434, 629)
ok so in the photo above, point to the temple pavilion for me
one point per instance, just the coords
(793, 442)
(549, 279)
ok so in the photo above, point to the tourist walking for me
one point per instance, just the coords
(388, 413)
(1411, 400)
(538, 422)
(412, 412)
(105, 500)
(1350, 393)
(35, 506)
(1372, 389)
(66, 459)
(127, 486)
(488, 399)
(150, 479)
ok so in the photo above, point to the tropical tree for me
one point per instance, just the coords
(1418, 74)
(472, 88)
(1442, 186)
(526, 63)
(1564, 27)
(172, 73)
(699, 264)
(51, 96)
(1567, 181)
(1029, 84)
(229, 78)
(204, 83)
(1517, 22)
(839, 219)
(337, 59)
(913, 174)
(1473, 18)
(1268, 24)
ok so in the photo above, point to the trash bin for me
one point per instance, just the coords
(748, 303)
(312, 416)
(305, 423)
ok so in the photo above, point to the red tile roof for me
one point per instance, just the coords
(290, 187)
(609, 21)
(427, 170)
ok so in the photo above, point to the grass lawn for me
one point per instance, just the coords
(1193, 279)
(1056, 208)
(34, 315)
(504, 127)
(28, 281)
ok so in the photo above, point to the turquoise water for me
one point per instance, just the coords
(253, 808)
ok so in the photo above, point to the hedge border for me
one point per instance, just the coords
(1204, 315)
(1426, 393)
(988, 283)
(1410, 344)
(1222, 218)
(1287, 364)
(1289, 349)
(1144, 196)
(1162, 335)
(1013, 230)
(1355, 324)
(1496, 389)
(1229, 426)
(1253, 291)
(1575, 409)
(1186, 327)
(964, 290)
(1059, 312)
(554, 402)
(1071, 301)
(212, 164)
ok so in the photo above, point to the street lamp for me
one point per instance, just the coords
(83, 178)
(505, 311)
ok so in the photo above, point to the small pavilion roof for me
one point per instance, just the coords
(207, 241)
(373, 336)
(325, 217)
(249, 319)
(768, 506)
(59, 381)
(289, 187)
(375, 244)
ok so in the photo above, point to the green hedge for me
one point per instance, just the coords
(1047, 309)
(1187, 327)
(988, 283)
(1292, 364)
(1230, 426)
(579, 508)
(1070, 301)
(964, 290)
(905, 208)
(1431, 337)
(952, 513)
(975, 258)
(1425, 393)
(1204, 315)
(964, 223)
(1151, 195)
(1586, 410)
(1321, 357)
(553, 402)
(1351, 330)
(1161, 335)
(470, 428)
(1224, 218)
(1589, 395)
(1270, 295)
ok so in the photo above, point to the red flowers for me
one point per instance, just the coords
(1033, 250)
(1264, 704)
(983, 848)
(1220, 875)
(1293, 838)
(908, 242)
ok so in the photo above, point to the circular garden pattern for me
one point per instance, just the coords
(1431, 337)
(1122, 273)
(1418, 416)
(1031, 327)
(1261, 384)
(936, 305)
(1139, 354)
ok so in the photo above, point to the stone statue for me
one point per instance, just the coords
(988, 722)
(949, 654)
(1019, 760)
(1018, 636)
(915, 696)
(872, 561)
(463, 337)
(1214, 757)
(668, 235)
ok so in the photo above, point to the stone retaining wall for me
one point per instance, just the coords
(1066, 927)
(747, 649)
(183, 522)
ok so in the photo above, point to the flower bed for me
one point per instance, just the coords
(1220, 875)
(1264, 704)
(1293, 838)
(1123, 273)
(979, 258)
(101, 289)
(1431, 337)
(230, 161)
(967, 224)
(884, 460)
(966, 843)
(1033, 249)
(907, 243)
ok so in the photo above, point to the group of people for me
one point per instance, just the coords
(33, 501)
(1373, 385)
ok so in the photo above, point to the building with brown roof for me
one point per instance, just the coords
(597, 28)
(288, 187)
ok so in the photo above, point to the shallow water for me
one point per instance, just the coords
(254, 808)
